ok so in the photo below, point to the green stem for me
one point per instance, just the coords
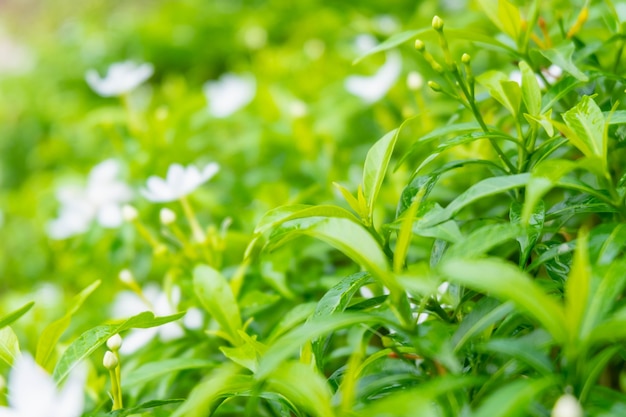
(115, 390)
(196, 229)
(470, 103)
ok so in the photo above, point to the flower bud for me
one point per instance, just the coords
(110, 360)
(414, 81)
(129, 213)
(466, 58)
(567, 406)
(434, 86)
(126, 277)
(419, 45)
(114, 342)
(437, 23)
(167, 216)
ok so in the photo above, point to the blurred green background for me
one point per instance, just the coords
(302, 131)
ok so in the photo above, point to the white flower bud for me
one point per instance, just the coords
(114, 342)
(110, 360)
(167, 216)
(126, 276)
(567, 406)
(129, 213)
(414, 81)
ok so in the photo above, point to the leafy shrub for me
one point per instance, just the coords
(476, 270)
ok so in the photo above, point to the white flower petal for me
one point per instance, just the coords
(71, 400)
(229, 94)
(209, 171)
(191, 180)
(175, 178)
(373, 88)
(105, 171)
(194, 319)
(137, 339)
(121, 78)
(170, 331)
(110, 216)
(26, 380)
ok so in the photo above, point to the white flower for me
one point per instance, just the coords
(33, 393)
(167, 216)
(551, 74)
(179, 182)
(229, 94)
(121, 78)
(16, 58)
(370, 89)
(128, 303)
(100, 200)
(567, 406)
(414, 81)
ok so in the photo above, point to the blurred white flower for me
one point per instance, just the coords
(372, 88)
(100, 200)
(33, 393)
(364, 42)
(121, 78)
(229, 94)
(551, 74)
(567, 406)
(128, 303)
(414, 81)
(179, 182)
(15, 58)
(386, 24)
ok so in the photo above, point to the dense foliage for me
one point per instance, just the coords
(313, 208)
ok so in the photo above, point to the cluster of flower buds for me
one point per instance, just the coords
(111, 362)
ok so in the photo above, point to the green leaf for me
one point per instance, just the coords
(93, 338)
(483, 239)
(577, 288)
(217, 298)
(352, 201)
(510, 20)
(279, 215)
(456, 129)
(587, 124)
(294, 317)
(349, 237)
(484, 188)
(543, 178)
(289, 343)
(9, 345)
(139, 408)
(376, 163)
(531, 92)
(525, 351)
(506, 282)
(513, 399)
(561, 56)
(336, 300)
(416, 401)
(604, 297)
(504, 15)
(154, 370)
(507, 92)
(532, 231)
(613, 243)
(53, 332)
(247, 353)
(207, 395)
(483, 316)
(11, 317)
(302, 386)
